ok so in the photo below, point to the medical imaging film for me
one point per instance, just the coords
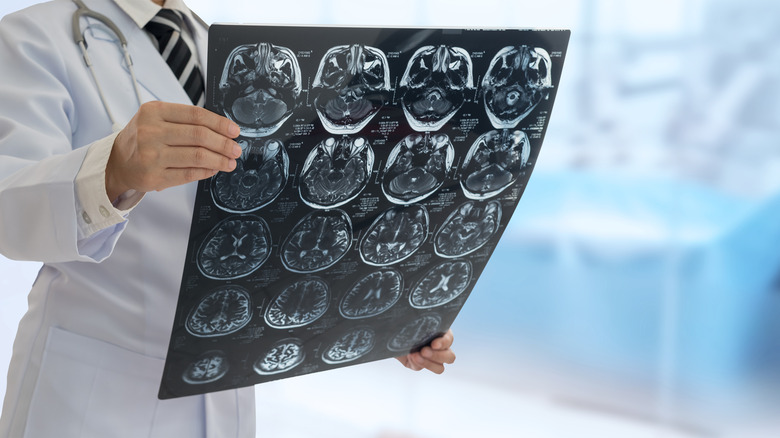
(380, 167)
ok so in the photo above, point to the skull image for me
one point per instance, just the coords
(351, 86)
(417, 167)
(336, 171)
(516, 81)
(494, 162)
(435, 81)
(260, 175)
(260, 85)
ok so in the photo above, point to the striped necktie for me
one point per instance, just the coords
(166, 28)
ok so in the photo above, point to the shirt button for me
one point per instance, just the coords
(86, 217)
(104, 211)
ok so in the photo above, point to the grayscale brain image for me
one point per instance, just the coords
(319, 240)
(442, 284)
(372, 294)
(235, 247)
(379, 170)
(299, 304)
(351, 86)
(336, 171)
(260, 85)
(281, 357)
(435, 82)
(395, 235)
(417, 167)
(517, 80)
(415, 332)
(208, 367)
(350, 346)
(261, 173)
(494, 162)
(468, 228)
(221, 312)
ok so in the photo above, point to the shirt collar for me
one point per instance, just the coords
(142, 11)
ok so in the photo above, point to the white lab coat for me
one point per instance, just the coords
(89, 352)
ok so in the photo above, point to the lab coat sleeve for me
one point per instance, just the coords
(38, 160)
(95, 211)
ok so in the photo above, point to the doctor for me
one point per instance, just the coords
(107, 211)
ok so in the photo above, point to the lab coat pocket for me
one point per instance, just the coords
(90, 388)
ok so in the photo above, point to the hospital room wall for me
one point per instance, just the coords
(639, 272)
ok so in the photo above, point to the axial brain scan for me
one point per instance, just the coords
(299, 304)
(208, 367)
(442, 284)
(350, 346)
(283, 356)
(469, 227)
(336, 171)
(395, 235)
(351, 86)
(260, 86)
(318, 241)
(411, 335)
(221, 312)
(516, 81)
(434, 83)
(236, 247)
(260, 174)
(417, 167)
(494, 162)
(372, 295)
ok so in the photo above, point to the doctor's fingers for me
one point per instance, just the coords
(433, 363)
(178, 135)
(444, 341)
(438, 356)
(181, 161)
(189, 115)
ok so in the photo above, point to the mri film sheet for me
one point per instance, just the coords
(379, 170)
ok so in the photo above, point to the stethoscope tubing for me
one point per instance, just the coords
(78, 38)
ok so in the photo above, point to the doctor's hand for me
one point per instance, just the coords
(168, 144)
(432, 357)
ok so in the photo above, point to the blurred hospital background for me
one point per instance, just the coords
(636, 292)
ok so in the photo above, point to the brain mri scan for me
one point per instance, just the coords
(351, 86)
(416, 332)
(221, 312)
(260, 174)
(283, 356)
(442, 284)
(299, 304)
(208, 367)
(318, 241)
(434, 84)
(516, 81)
(235, 247)
(260, 86)
(395, 235)
(372, 295)
(494, 162)
(417, 167)
(350, 346)
(469, 227)
(336, 171)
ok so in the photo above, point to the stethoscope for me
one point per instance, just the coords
(78, 37)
